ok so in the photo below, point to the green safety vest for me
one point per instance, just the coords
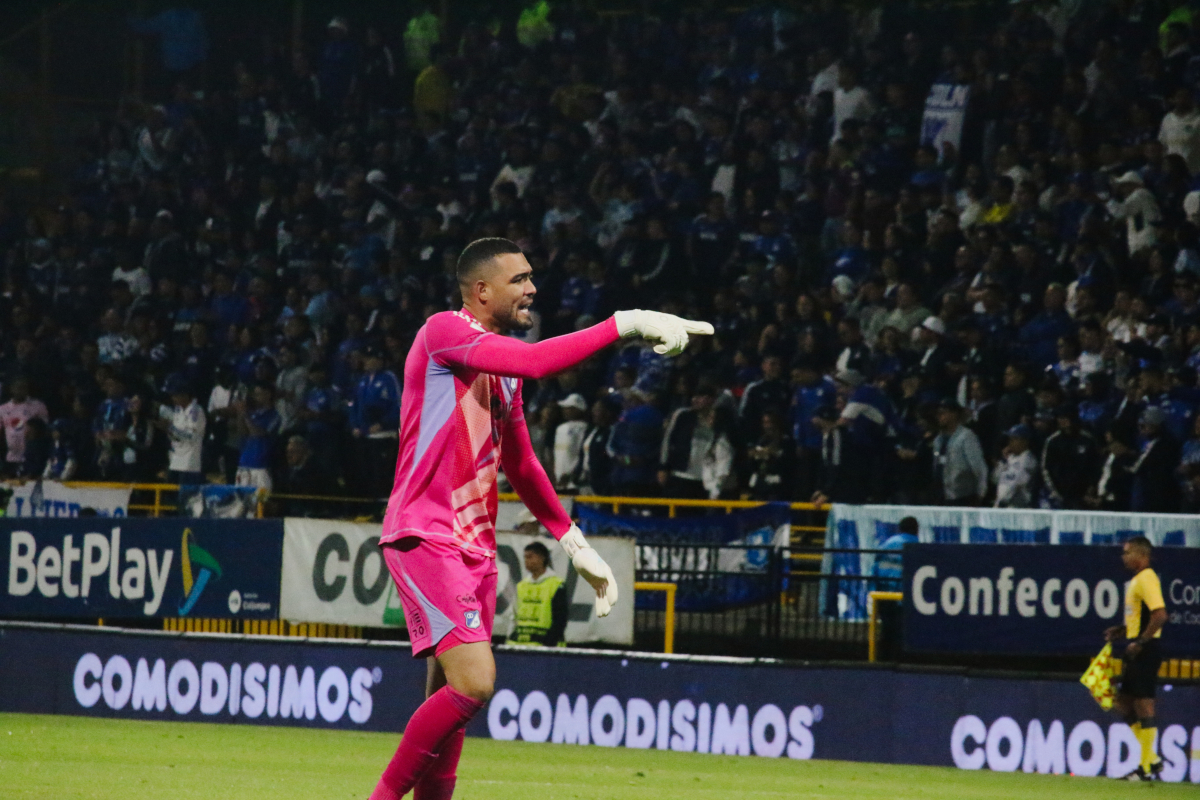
(535, 612)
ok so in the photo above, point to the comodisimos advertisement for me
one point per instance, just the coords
(597, 698)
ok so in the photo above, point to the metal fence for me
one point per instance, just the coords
(747, 600)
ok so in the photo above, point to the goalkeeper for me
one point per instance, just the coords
(460, 419)
(1139, 643)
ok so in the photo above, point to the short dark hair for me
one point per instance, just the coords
(478, 253)
(909, 525)
(1140, 543)
(541, 550)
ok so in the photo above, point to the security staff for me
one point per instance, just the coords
(541, 601)
(1139, 641)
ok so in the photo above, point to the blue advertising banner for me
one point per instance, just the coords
(92, 567)
(248, 680)
(733, 575)
(1017, 600)
(565, 696)
(874, 527)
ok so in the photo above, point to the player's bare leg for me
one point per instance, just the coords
(474, 671)
(458, 684)
(470, 668)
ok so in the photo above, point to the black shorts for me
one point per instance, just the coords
(1139, 676)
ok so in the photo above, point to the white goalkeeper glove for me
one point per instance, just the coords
(667, 331)
(591, 566)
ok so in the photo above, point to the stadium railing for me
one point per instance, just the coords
(159, 499)
(874, 599)
(153, 499)
(750, 600)
(669, 612)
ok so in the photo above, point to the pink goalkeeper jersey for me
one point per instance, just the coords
(461, 418)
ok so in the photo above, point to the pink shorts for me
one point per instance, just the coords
(448, 594)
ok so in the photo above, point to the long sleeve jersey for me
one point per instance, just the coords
(461, 417)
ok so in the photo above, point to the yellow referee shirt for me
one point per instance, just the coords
(1143, 595)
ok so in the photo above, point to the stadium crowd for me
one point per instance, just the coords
(229, 288)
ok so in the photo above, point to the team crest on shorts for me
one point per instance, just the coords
(472, 618)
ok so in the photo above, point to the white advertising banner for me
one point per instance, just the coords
(333, 572)
(53, 499)
(582, 623)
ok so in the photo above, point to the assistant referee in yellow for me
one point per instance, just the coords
(1140, 642)
(542, 603)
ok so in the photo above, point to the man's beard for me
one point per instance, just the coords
(512, 322)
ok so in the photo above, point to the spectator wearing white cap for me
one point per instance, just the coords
(1136, 205)
(568, 440)
(937, 352)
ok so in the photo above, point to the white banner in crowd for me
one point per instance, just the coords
(874, 524)
(53, 499)
(945, 110)
(333, 572)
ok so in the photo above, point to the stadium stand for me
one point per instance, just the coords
(888, 312)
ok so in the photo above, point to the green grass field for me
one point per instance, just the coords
(74, 757)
